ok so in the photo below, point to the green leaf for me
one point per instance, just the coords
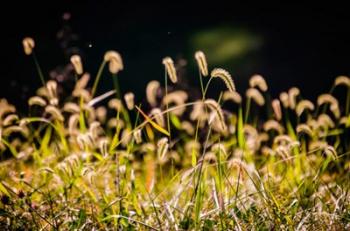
(154, 124)
(4, 190)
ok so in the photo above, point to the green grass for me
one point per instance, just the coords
(89, 171)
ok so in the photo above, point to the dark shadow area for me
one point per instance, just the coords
(290, 45)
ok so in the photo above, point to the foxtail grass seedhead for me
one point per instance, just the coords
(225, 76)
(304, 128)
(292, 94)
(170, 69)
(158, 116)
(10, 119)
(304, 105)
(276, 107)
(151, 92)
(214, 106)
(37, 100)
(28, 45)
(115, 62)
(115, 104)
(162, 146)
(77, 64)
(258, 81)
(273, 125)
(138, 136)
(232, 96)
(256, 96)
(342, 80)
(178, 98)
(54, 112)
(129, 100)
(82, 82)
(202, 62)
(324, 120)
(284, 99)
(329, 99)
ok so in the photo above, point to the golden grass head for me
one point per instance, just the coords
(28, 45)
(342, 80)
(284, 97)
(258, 81)
(82, 82)
(129, 100)
(329, 99)
(276, 107)
(304, 128)
(304, 105)
(114, 61)
(225, 76)
(178, 98)
(37, 100)
(273, 125)
(170, 69)
(292, 94)
(77, 64)
(201, 62)
(214, 106)
(151, 92)
(158, 116)
(54, 112)
(138, 136)
(254, 94)
(232, 96)
(163, 146)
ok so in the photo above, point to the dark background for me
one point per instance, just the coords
(290, 45)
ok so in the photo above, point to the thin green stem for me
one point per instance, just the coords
(38, 68)
(98, 77)
(247, 109)
(167, 106)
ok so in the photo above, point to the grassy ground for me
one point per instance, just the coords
(88, 162)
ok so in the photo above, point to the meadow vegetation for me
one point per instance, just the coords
(171, 162)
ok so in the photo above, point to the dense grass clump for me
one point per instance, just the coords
(172, 163)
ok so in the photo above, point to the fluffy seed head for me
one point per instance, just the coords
(276, 107)
(162, 146)
(258, 81)
(284, 99)
(293, 93)
(54, 112)
(178, 98)
(329, 99)
(129, 100)
(233, 96)
(273, 125)
(138, 136)
(304, 105)
(28, 45)
(304, 128)
(158, 116)
(151, 92)
(324, 120)
(82, 82)
(214, 106)
(36, 100)
(225, 76)
(114, 61)
(202, 62)
(256, 96)
(77, 64)
(170, 69)
(342, 80)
